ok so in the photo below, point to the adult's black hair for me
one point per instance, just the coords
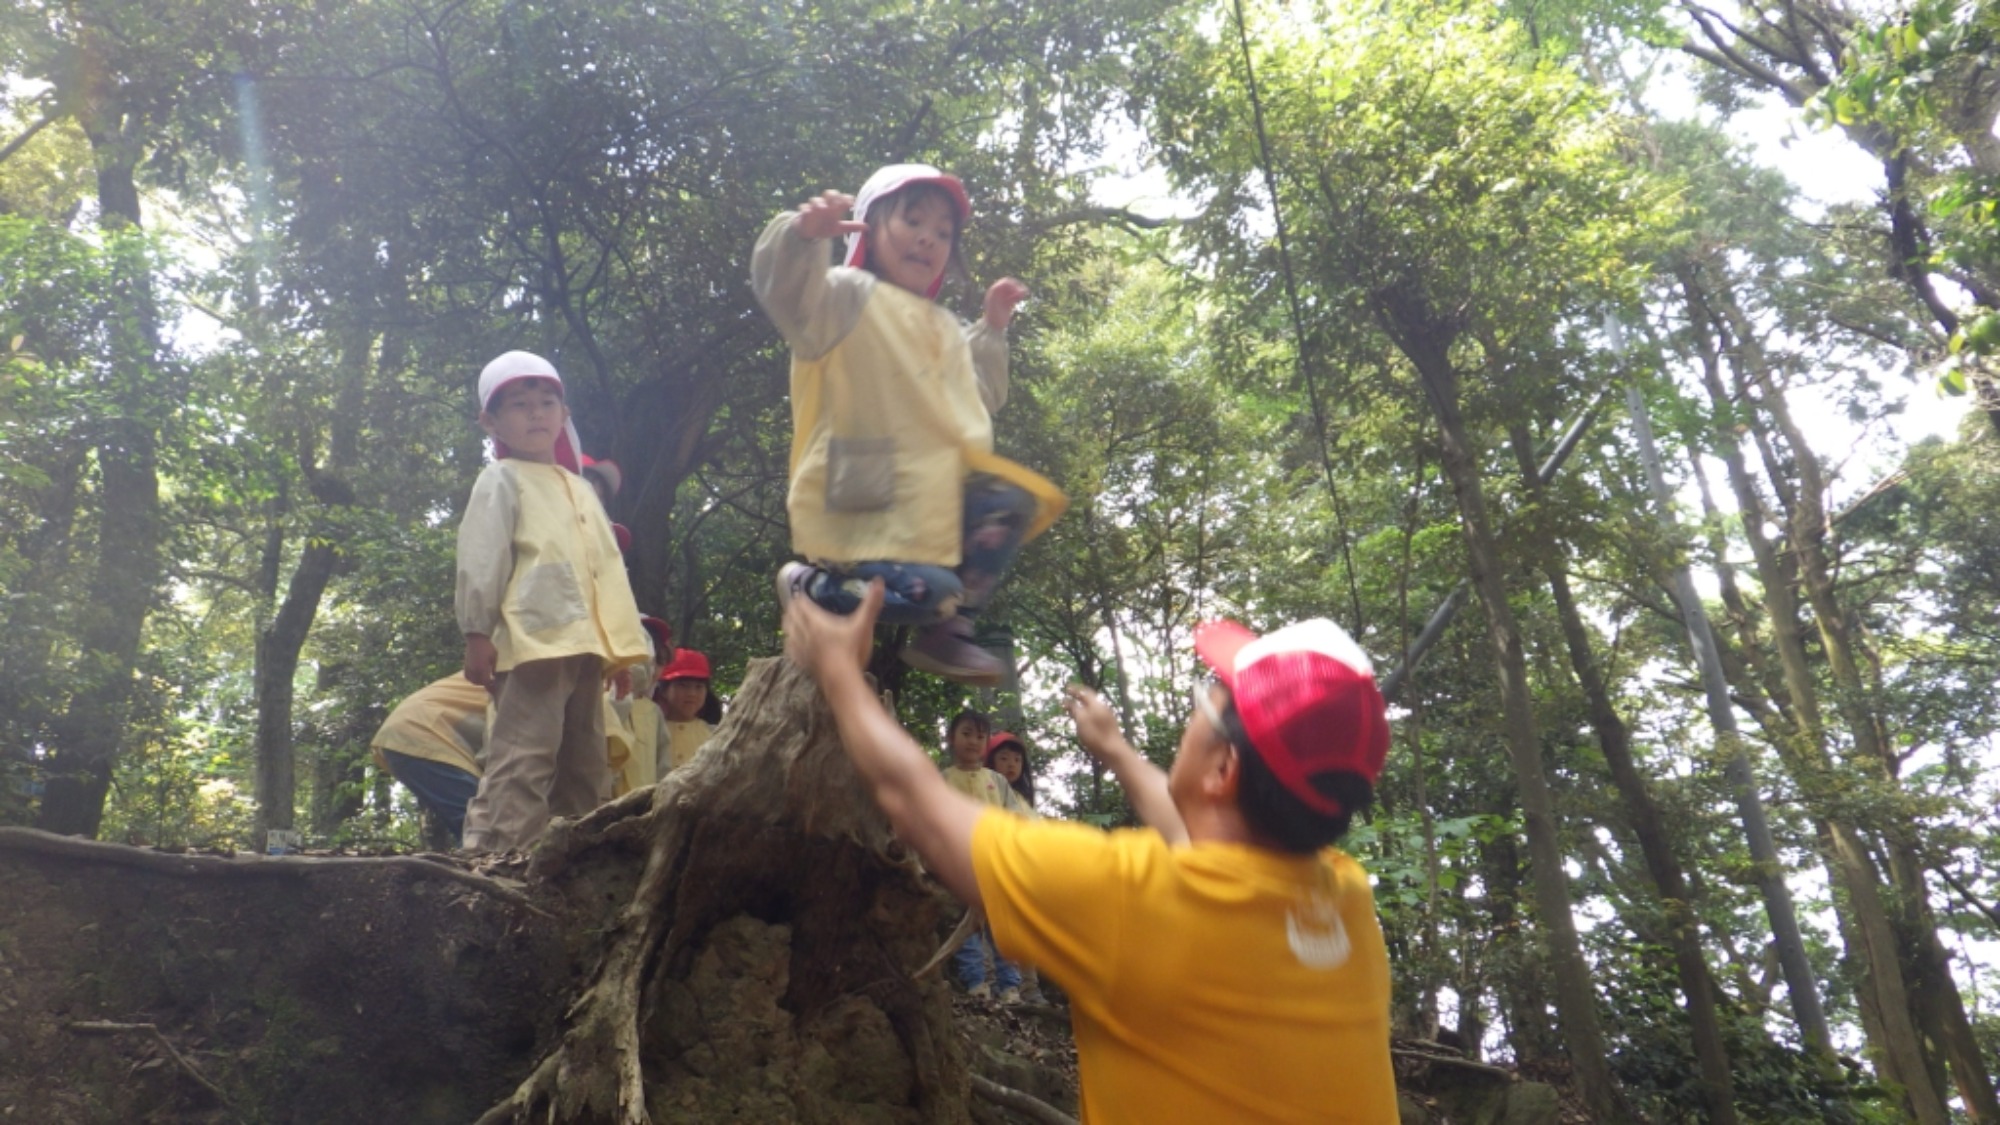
(1272, 811)
(976, 718)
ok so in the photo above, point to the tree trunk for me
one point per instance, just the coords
(1718, 1089)
(1896, 1048)
(1421, 338)
(1801, 986)
(86, 739)
(1943, 1016)
(280, 642)
(736, 943)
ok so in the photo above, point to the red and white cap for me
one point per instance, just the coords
(507, 367)
(888, 181)
(614, 477)
(1307, 698)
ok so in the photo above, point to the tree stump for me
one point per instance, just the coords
(735, 943)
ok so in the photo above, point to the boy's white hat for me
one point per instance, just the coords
(509, 366)
(506, 368)
(888, 181)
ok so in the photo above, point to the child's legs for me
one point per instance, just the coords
(1006, 974)
(443, 789)
(512, 805)
(912, 593)
(583, 768)
(997, 515)
(970, 961)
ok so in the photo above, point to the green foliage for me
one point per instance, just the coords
(365, 202)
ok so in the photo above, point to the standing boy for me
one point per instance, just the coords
(546, 611)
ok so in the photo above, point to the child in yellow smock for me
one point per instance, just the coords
(687, 703)
(893, 474)
(546, 611)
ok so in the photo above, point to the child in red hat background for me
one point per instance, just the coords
(546, 610)
(690, 706)
(893, 474)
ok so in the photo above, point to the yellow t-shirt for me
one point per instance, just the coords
(1209, 982)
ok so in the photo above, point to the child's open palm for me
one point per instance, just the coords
(821, 217)
(1001, 299)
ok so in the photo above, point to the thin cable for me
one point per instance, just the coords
(1269, 171)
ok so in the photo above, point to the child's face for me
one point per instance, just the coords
(913, 245)
(683, 699)
(967, 745)
(1007, 763)
(527, 416)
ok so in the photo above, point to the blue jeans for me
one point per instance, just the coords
(443, 789)
(970, 962)
(996, 521)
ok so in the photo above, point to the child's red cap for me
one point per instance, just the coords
(614, 477)
(687, 665)
(661, 632)
(1004, 738)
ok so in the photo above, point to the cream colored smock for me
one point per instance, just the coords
(684, 741)
(627, 748)
(891, 410)
(444, 721)
(983, 785)
(649, 735)
(539, 571)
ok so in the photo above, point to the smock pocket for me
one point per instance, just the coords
(860, 474)
(548, 597)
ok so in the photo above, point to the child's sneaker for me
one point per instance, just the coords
(1010, 997)
(946, 650)
(980, 991)
(792, 580)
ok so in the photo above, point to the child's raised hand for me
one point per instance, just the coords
(822, 217)
(1001, 298)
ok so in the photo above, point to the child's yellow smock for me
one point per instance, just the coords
(891, 402)
(539, 571)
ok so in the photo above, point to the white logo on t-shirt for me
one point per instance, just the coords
(1313, 928)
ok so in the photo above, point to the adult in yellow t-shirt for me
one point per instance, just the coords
(1223, 964)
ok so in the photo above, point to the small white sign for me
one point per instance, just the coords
(283, 840)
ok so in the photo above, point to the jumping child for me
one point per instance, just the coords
(893, 474)
(546, 611)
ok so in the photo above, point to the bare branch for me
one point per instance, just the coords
(1025, 1104)
(1120, 215)
(14, 146)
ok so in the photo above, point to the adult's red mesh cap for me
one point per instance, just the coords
(1307, 697)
